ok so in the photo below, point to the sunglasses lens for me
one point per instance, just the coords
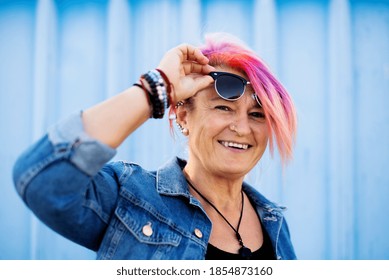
(229, 87)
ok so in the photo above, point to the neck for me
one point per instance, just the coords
(224, 192)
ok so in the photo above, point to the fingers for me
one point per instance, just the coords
(186, 57)
(191, 67)
(190, 53)
(187, 68)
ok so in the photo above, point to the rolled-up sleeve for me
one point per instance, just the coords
(65, 180)
(89, 155)
(68, 141)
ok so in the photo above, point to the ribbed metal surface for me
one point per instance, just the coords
(57, 57)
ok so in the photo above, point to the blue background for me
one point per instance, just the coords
(57, 57)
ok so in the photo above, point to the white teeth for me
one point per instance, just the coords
(235, 145)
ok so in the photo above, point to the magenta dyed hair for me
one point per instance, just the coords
(280, 114)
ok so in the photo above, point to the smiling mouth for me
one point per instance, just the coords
(235, 145)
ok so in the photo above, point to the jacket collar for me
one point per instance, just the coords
(262, 202)
(171, 181)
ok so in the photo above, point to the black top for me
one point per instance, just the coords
(265, 252)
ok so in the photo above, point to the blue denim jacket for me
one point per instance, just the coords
(119, 209)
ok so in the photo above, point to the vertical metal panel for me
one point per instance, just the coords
(371, 62)
(118, 54)
(16, 84)
(340, 188)
(44, 84)
(302, 67)
(234, 17)
(81, 54)
(118, 46)
(190, 16)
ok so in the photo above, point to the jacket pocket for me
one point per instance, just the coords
(141, 230)
(148, 227)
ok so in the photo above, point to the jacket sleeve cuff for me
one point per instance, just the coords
(87, 153)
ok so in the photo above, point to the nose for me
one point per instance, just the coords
(241, 124)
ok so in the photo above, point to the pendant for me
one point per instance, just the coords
(245, 252)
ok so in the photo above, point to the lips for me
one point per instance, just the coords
(229, 144)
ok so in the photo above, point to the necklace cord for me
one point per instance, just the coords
(217, 210)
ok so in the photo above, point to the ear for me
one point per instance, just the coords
(181, 115)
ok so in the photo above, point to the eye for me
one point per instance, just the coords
(223, 108)
(257, 115)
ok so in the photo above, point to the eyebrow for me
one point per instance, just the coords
(218, 98)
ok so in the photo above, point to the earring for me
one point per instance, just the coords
(179, 103)
(183, 130)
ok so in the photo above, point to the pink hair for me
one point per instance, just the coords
(276, 102)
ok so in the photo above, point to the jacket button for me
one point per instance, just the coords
(147, 230)
(198, 233)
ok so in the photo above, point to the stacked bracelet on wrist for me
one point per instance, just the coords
(158, 94)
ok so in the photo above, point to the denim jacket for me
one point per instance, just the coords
(119, 209)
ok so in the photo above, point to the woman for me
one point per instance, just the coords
(228, 105)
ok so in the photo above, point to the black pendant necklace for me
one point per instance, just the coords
(244, 252)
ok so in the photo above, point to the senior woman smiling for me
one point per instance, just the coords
(228, 105)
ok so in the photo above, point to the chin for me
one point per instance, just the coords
(236, 171)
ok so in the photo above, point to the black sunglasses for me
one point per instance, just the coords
(230, 87)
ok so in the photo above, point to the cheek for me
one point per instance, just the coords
(199, 137)
(204, 124)
(263, 137)
(203, 134)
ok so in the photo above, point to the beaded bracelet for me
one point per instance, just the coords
(169, 85)
(158, 94)
(160, 87)
(166, 79)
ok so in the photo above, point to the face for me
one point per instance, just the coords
(226, 138)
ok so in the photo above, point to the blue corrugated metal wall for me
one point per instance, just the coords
(60, 56)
